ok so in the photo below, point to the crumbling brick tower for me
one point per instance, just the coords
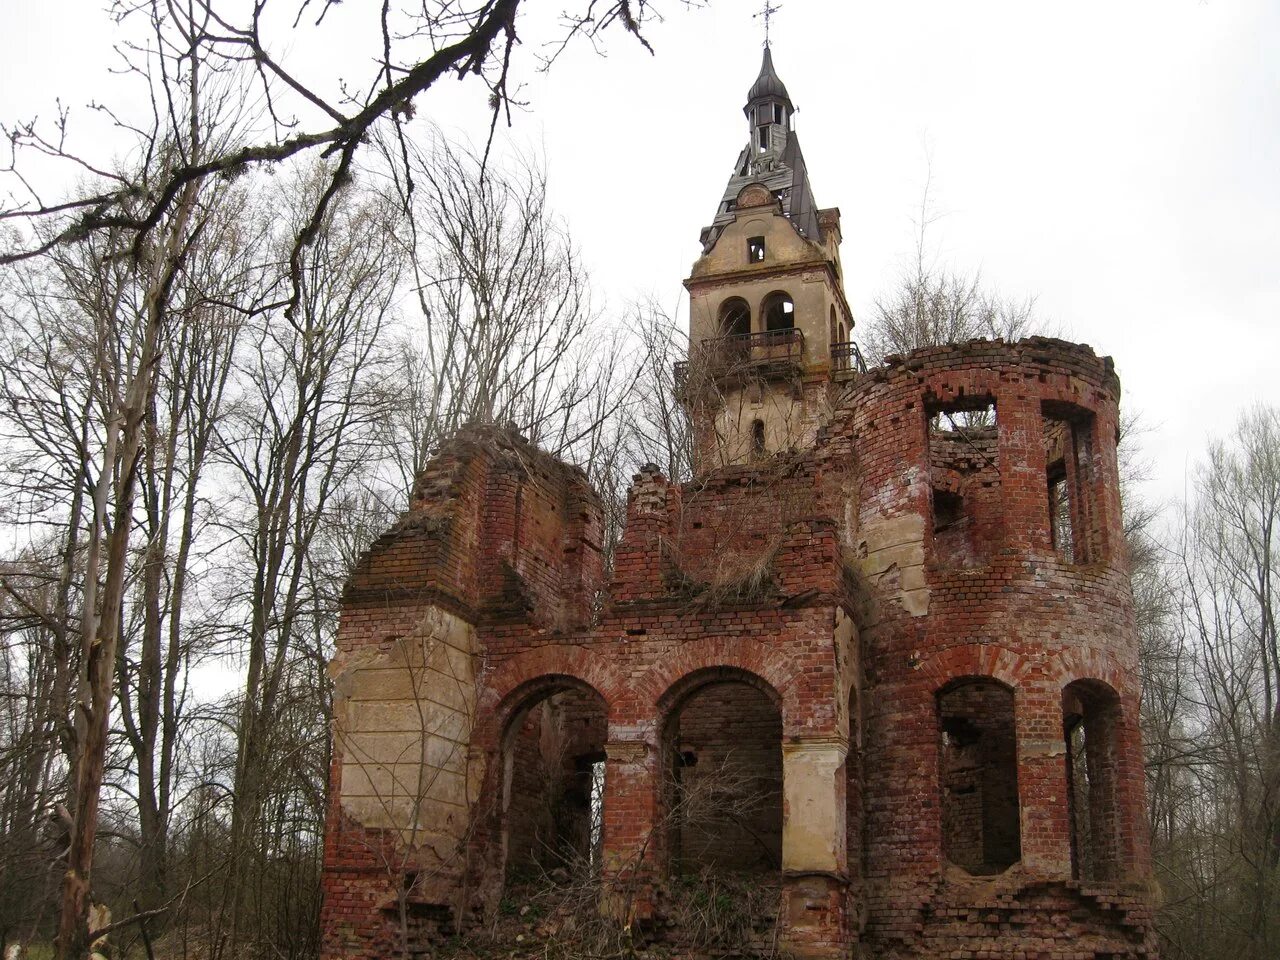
(882, 645)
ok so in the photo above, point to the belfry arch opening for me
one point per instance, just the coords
(735, 318)
(1090, 722)
(779, 312)
(978, 772)
(553, 780)
(723, 792)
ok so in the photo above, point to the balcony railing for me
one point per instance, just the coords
(744, 352)
(847, 358)
(768, 346)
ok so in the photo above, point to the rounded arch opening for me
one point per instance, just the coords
(779, 311)
(722, 791)
(978, 775)
(735, 318)
(553, 778)
(1090, 727)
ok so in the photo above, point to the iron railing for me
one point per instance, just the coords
(724, 353)
(847, 358)
(718, 356)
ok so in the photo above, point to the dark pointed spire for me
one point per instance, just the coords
(768, 84)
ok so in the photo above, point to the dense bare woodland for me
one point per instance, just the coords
(222, 364)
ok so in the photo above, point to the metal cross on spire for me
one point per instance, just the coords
(768, 12)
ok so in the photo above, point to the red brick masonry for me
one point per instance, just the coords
(948, 609)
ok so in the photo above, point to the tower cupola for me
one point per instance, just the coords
(768, 110)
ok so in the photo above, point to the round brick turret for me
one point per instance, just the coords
(1002, 744)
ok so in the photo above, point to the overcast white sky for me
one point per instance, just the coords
(1118, 160)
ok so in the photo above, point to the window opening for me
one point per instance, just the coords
(597, 811)
(1068, 449)
(978, 769)
(762, 134)
(777, 113)
(964, 473)
(779, 312)
(757, 437)
(755, 250)
(1090, 715)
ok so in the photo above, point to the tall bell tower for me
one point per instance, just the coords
(769, 323)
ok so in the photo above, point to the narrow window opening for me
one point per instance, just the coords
(597, 811)
(757, 437)
(1090, 720)
(964, 471)
(1068, 459)
(853, 792)
(735, 318)
(755, 250)
(978, 768)
(762, 136)
(777, 113)
(948, 510)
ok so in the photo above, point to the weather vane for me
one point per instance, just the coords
(768, 12)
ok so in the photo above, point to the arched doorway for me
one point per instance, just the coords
(553, 780)
(723, 746)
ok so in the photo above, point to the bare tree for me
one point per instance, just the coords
(1210, 692)
(422, 43)
(216, 290)
(932, 305)
(507, 331)
(300, 430)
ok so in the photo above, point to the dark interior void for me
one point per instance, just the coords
(735, 318)
(779, 312)
(964, 473)
(553, 783)
(724, 796)
(979, 771)
(1068, 457)
(1089, 715)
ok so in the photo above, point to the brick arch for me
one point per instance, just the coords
(1089, 663)
(770, 664)
(690, 683)
(511, 683)
(973, 660)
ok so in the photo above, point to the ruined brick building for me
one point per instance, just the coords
(885, 634)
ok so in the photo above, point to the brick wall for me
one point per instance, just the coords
(810, 615)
